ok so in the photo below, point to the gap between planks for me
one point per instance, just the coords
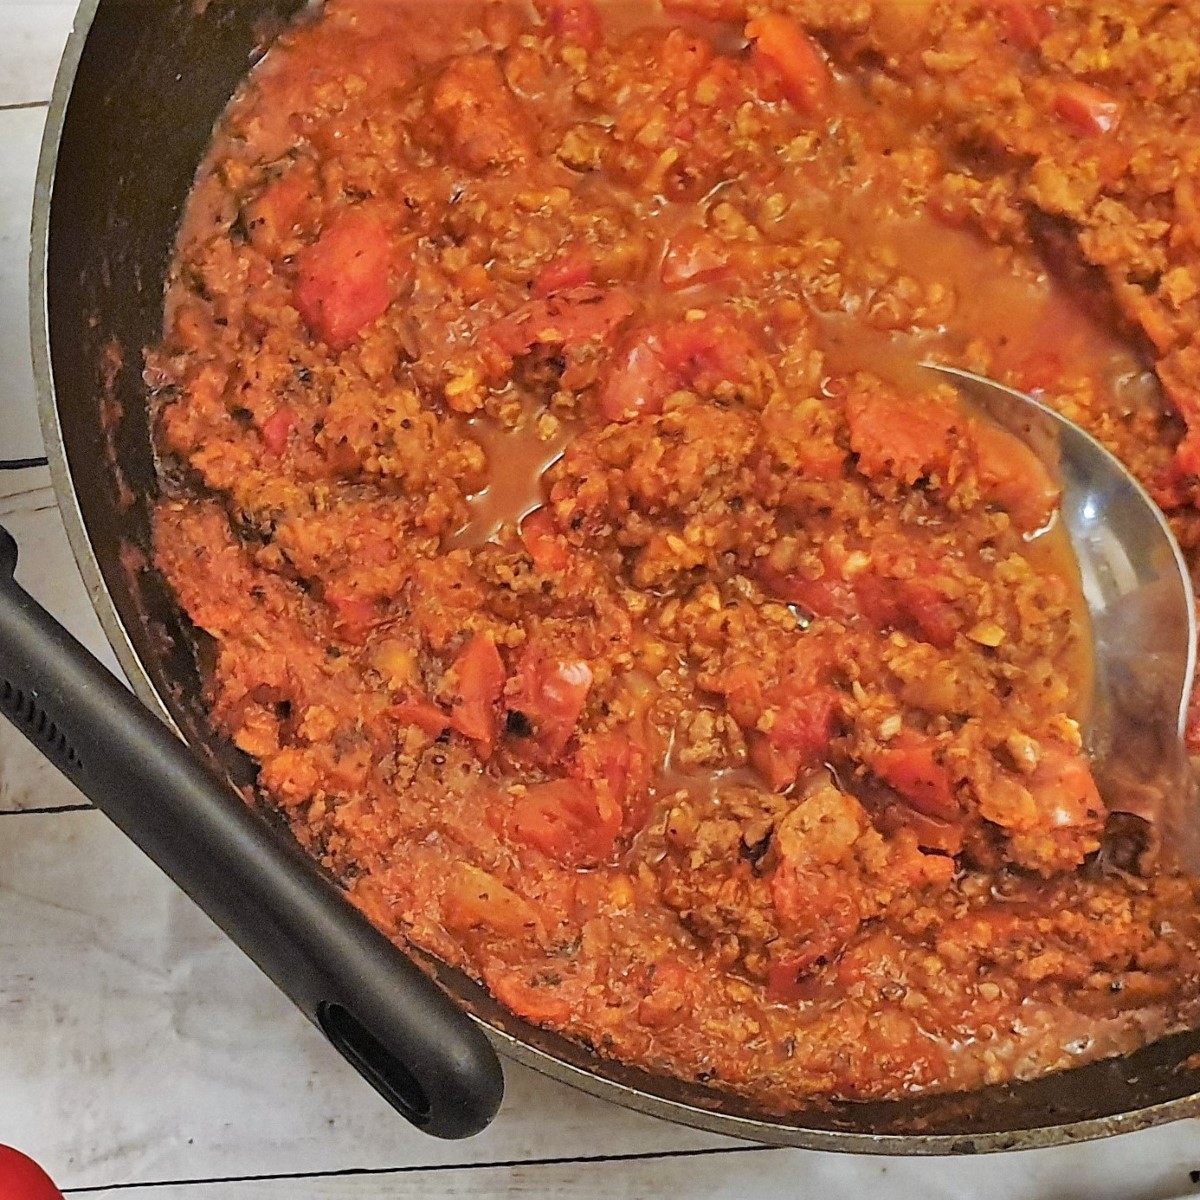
(433, 1169)
(47, 811)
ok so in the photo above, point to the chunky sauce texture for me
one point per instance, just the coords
(611, 602)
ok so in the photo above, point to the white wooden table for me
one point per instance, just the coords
(142, 1057)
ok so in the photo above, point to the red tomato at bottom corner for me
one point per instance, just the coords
(22, 1179)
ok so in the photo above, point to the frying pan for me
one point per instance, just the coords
(141, 86)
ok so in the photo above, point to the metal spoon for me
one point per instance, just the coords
(1142, 608)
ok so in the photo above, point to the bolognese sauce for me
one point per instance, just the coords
(611, 602)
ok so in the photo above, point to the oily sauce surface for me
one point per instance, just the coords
(610, 602)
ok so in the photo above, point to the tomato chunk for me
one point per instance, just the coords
(572, 270)
(566, 318)
(914, 604)
(476, 900)
(640, 381)
(573, 20)
(893, 435)
(912, 768)
(569, 820)
(277, 428)
(799, 737)
(479, 674)
(543, 543)
(661, 359)
(551, 693)
(425, 716)
(814, 908)
(344, 279)
(788, 53)
(1014, 477)
(541, 1005)
(1087, 109)
(353, 615)
(617, 765)
(1027, 22)
(1064, 787)
(286, 206)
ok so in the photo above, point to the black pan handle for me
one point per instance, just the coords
(389, 1019)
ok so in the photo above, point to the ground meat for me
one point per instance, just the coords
(613, 605)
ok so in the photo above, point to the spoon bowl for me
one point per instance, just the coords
(1142, 612)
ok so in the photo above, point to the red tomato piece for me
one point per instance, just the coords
(778, 767)
(789, 54)
(574, 21)
(344, 279)
(1064, 788)
(639, 382)
(566, 318)
(543, 543)
(568, 820)
(616, 764)
(479, 682)
(693, 256)
(277, 428)
(893, 435)
(805, 723)
(668, 995)
(910, 766)
(709, 351)
(915, 605)
(813, 907)
(22, 1179)
(1087, 109)
(1040, 371)
(788, 978)
(1013, 477)
(743, 691)
(829, 596)
(354, 615)
(800, 736)
(572, 270)
(541, 1005)
(425, 716)
(287, 205)
(1027, 22)
(659, 360)
(931, 616)
(551, 692)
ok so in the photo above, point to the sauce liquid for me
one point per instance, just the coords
(518, 458)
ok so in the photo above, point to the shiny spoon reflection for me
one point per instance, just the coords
(1142, 610)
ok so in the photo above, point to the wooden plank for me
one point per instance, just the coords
(34, 34)
(138, 1044)
(20, 135)
(15, 485)
(1150, 1166)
